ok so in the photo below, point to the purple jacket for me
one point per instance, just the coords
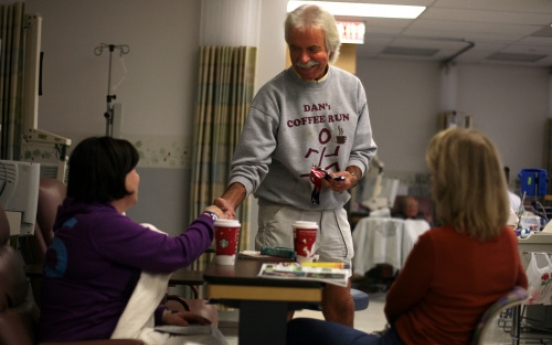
(95, 261)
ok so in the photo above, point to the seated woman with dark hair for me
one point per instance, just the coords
(443, 288)
(97, 255)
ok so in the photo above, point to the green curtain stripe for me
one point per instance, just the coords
(11, 78)
(226, 79)
(548, 151)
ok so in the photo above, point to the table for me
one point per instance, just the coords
(187, 277)
(378, 240)
(263, 303)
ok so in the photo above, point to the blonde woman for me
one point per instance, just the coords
(454, 272)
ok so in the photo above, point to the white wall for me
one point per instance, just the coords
(158, 93)
(507, 103)
(510, 105)
(157, 96)
(402, 99)
(271, 56)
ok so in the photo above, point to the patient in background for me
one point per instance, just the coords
(443, 289)
(515, 203)
(97, 255)
(410, 210)
(515, 200)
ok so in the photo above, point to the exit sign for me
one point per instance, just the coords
(351, 32)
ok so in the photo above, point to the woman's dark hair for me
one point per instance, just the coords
(98, 167)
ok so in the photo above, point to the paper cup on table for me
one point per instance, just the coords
(304, 240)
(226, 241)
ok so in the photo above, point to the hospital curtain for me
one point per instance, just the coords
(12, 23)
(225, 90)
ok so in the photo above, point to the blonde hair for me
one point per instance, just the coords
(469, 186)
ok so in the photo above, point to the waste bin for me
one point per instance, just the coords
(533, 182)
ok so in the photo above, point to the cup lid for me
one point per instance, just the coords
(305, 224)
(227, 222)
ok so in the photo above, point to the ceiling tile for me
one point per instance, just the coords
(494, 26)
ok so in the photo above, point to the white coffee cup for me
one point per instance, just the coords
(304, 240)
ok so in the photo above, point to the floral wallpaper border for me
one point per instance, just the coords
(155, 151)
(162, 151)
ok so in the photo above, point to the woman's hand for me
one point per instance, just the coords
(183, 318)
(217, 210)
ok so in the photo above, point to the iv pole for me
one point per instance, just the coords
(109, 115)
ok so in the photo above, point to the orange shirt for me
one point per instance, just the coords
(448, 281)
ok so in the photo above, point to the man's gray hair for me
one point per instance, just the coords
(313, 16)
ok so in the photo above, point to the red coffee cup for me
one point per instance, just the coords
(226, 241)
(304, 240)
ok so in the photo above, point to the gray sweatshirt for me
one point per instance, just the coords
(294, 125)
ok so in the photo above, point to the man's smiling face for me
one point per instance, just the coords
(308, 53)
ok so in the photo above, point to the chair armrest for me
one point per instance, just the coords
(196, 306)
(181, 302)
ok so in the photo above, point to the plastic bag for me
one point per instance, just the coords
(540, 279)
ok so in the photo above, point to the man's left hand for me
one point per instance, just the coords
(339, 185)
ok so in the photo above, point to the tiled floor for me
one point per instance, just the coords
(368, 320)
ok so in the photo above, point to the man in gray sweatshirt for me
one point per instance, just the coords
(310, 115)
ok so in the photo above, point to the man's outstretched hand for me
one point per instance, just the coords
(226, 207)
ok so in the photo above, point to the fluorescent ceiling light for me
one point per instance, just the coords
(359, 9)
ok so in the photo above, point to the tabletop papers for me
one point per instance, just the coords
(255, 255)
(293, 270)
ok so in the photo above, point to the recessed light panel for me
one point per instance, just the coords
(516, 57)
(359, 9)
(409, 51)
